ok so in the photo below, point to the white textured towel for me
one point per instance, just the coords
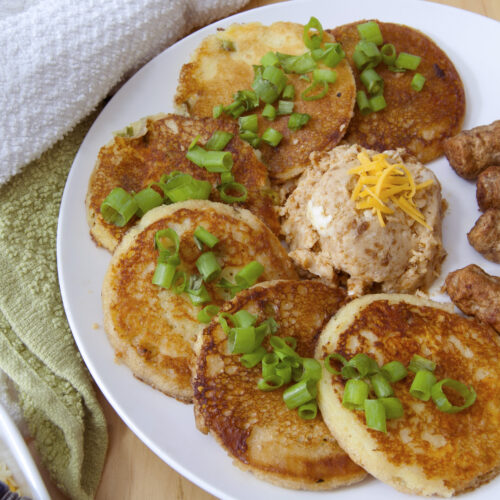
(60, 58)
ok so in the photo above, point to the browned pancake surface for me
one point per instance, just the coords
(133, 163)
(426, 451)
(417, 121)
(215, 74)
(152, 329)
(255, 427)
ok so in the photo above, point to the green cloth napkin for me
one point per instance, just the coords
(37, 350)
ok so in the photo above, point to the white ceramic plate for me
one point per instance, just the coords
(165, 425)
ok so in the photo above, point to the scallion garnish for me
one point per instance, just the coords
(118, 207)
(213, 161)
(355, 393)
(366, 55)
(285, 107)
(272, 137)
(309, 95)
(389, 55)
(375, 415)
(147, 199)
(288, 92)
(417, 82)
(235, 187)
(249, 122)
(270, 383)
(407, 61)
(269, 59)
(393, 407)
(372, 81)
(422, 385)
(276, 76)
(253, 358)
(205, 237)
(442, 402)
(419, 363)
(363, 102)
(208, 266)
(394, 371)
(244, 318)
(370, 31)
(313, 41)
(164, 274)
(251, 137)
(324, 75)
(206, 314)
(377, 103)
(300, 393)
(182, 187)
(380, 385)
(333, 54)
(309, 410)
(269, 112)
(217, 111)
(298, 120)
(218, 141)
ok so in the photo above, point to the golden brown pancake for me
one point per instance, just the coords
(253, 426)
(158, 146)
(427, 451)
(417, 121)
(214, 74)
(152, 329)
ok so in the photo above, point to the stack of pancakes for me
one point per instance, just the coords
(157, 334)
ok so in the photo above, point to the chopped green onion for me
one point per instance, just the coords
(333, 54)
(219, 140)
(281, 348)
(298, 120)
(208, 266)
(300, 393)
(297, 64)
(242, 340)
(248, 275)
(164, 274)
(223, 317)
(269, 363)
(249, 122)
(285, 107)
(348, 372)
(269, 59)
(228, 45)
(276, 76)
(206, 237)
(251, 137)
(167, 241)
(394, 371)
(317, 54)
(381, 386)
(393, 407)
(213, 161)
(264, 89)
(291, 342)
(235, 109)
(207, 313)
(270, 383)
(272, 137)
(309, 410)
(232, 186)
(370, 31)
(417, 82)
(442, 402)
(253, 358)
(355, 394)
(178, 286)
(186, 188)
(284, 370)
(363, 102)
(372, 81)
(118, 207)
(388, 52)
(147, 199)
(288, 92)
(308, 93)
(311, 369)
(244, 318)
(366, 55)
(217, 111)
(377, 103)
(364, 364)
(196, 290)
(407, 61)
(375, 415)
(313, 41)
(328, 362)
(325, 75)
(422, 385)
(269, 112)
(419, 363)
(226, 177)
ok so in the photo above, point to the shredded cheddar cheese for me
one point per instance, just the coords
(380, 182)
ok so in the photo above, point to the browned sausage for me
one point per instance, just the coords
(471, 151)
(485, 235)
(488, 188)
(476, 293)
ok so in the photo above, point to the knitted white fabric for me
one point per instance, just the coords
(60, 58)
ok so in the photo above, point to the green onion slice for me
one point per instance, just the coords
(355, 394)
(281, 348)
(308, 93)
(206, 237)
(270, 383)
(227, 45)
(213, 161)
(325, 75)
(417, 82)
(269, 362)
(381, 386)
(441, 400)
(393, 407)
(241, 340)
(271, 136)
(147, 199)
(207, 313)
(249, 122)
(118, 207)
(284, 370)
(377, 103)
(180, 282)
(364, 364)
(297, 64)
(300, 393)
(370, 31)
(164, 274)
(288, 92)
(269, 59)
(269, 112)
(372, 81)
(284, 108)
(388, 52)
(407, 61)
(366, 55)
(226, 177)
(219, 140)
(375, 415)
(311, 369)
(422, 385)
(309, 410)
(394, 371)
(276, 76)
(420, 363)
(265, 90)
(251, 137)
(217, 111)
(363, 102)
(333, 54)
(208, 266)
(313, 40)
(328, 362)
(196, 290)
(167, 241)
(244, 318)
(253, 358)
(235, 187)
(298, 120)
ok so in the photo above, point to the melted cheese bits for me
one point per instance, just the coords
(380, 182)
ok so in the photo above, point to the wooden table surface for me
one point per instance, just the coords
(132, 471)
